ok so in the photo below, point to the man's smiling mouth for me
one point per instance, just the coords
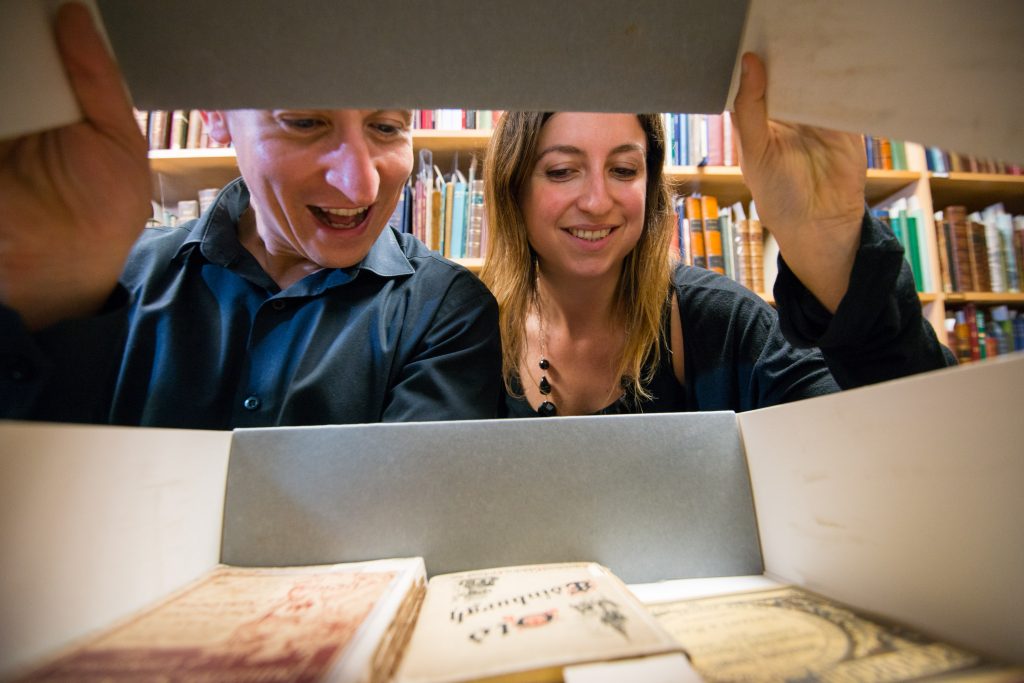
(341, 218)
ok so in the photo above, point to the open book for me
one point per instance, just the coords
(352, 622)
(345, 622)
(786, 633)
(529, 623)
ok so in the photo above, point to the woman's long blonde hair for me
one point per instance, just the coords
(510, 268)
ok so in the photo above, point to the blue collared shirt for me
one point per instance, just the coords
(199, 336)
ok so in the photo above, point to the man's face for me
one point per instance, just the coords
(323, 183)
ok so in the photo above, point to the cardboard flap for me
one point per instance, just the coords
(941, 75)
(903, 499)
(97, 523)
(597, 55)
(650, 497)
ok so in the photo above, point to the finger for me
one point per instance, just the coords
(750, 107)
(92, 71)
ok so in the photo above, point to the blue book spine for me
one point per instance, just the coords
(458, 246)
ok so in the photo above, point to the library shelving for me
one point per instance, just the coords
(180, 174)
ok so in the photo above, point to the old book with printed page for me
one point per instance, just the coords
(528, 624)
(345, 622)
(790, 634)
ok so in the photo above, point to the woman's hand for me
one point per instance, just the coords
(808, 185)
(73, 200)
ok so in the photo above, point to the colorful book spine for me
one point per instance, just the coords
(695, 223)
(712, 234)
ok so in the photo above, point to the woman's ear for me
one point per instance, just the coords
(216, 123)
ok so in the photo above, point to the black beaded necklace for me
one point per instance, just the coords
(547, 408)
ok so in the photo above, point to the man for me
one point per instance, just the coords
(288, 302)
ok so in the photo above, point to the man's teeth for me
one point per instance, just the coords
(590, 235)
(346, 212)
(342, 218)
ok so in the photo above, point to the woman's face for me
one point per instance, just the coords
(584, 199)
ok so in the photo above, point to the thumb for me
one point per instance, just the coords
(750, 107)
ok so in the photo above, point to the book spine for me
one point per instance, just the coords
(195, 129)
(458, 247)
(994, 251)
(696, 231)
(158, 129)
(474, 233)
(910, 223)
(728, 241)
(979, 254)
(716, 153)
(728, 142)
(712, 234)
(962, 334)
(179, 129)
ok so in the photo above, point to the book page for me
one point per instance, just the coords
(792, 634)
(534, 619)
(249, 624)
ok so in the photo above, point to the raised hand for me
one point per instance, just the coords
(808, 184)
(73, 200)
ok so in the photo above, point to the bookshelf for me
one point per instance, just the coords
(180, 174)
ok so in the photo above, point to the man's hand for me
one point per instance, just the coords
(808, 184)
(73, 200)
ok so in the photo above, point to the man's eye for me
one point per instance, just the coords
(303, 124)
(388, 128)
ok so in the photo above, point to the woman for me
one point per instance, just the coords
(595, 319)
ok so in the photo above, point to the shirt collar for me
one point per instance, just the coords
(220, 245)
(215, 234)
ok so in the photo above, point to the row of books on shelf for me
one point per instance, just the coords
(178, 129)
(976, 333)
(885, 153)
(444, 211)
(691, 139)
(381, 621)
(455, 119)
(982, 251)
(723, 239)
(943, 161)
(906, 220)
(699, 140)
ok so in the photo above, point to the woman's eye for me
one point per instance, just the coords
(625, 173)
(558, 173)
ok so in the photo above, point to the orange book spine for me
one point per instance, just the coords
(696, 230)
(712, 235)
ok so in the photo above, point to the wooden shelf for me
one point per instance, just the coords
(451, 140)
(726, 183)
(472, 264)
(977, 191)
(180, 174)
(987, 298)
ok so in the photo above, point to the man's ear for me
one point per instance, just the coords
(216, 123)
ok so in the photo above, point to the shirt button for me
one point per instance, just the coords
(251, 403)
(277, 305)
(17, 369)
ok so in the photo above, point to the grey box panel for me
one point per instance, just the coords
(589, 55)
(652, 497)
